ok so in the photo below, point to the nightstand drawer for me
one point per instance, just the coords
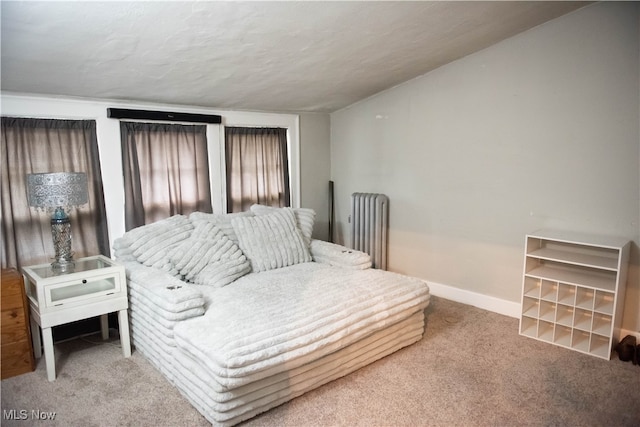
(81, 291)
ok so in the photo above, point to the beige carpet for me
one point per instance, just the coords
(470, 369)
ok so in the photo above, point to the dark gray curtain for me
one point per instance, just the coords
(49, 145)
(166, 171)
(257, 167)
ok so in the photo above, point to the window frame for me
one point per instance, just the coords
(109, 146)
(159, 122)
(217, 154)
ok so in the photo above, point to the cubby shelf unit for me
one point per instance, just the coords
(573, 290)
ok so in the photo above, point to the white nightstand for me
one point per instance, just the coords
(96, 287)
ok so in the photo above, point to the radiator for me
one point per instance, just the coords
(369, 226)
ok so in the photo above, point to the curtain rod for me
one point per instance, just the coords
(123, 113)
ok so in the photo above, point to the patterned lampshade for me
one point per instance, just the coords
(49, 191)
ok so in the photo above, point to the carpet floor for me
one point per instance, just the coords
(470, 369)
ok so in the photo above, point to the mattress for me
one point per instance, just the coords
(274, 335)
(229, 407)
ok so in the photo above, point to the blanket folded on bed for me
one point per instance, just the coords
(338, 255)
(288, 317)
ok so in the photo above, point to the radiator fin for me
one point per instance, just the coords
(369, 226)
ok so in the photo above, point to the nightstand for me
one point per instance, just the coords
(96, 287)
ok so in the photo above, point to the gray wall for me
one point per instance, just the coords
(539, 131)
(315, 161)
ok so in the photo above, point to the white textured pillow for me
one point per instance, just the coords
(151, 243)
(305, 218)
(271, 241)
(209, 257)
(223, 221)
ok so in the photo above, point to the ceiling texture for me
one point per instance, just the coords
(314, 56)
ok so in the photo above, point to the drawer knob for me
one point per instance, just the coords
(84, 280)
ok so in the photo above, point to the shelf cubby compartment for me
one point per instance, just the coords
(600, 346)
(580, 340)
(529, 327)
(564, 315)
(532, 287)
(547, 311)
(604, 302)
(582, 319)
(545, 330)
(584, 298)
(549, 290)
(566, 294)
(530, 307)
(562, 336)
(602, 324)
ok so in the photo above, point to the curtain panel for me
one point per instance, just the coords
(257, 167)
(166, 171)
(32, 145)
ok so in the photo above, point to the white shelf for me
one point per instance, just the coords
(531, 307)
(580, 259)
(581, 239)
(562, 336)
(545, 331)
(549, 291)
(564, 315)
(604, 302)
(591, 279)
(582, 320)
(602, 325)
(584, 298)
(567, 294)
(573, 290)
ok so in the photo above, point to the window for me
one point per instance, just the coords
(47, 145)
(166, 171)
(257, 168)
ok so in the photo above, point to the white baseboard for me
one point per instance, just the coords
(486, 302)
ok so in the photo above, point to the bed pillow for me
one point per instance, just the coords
(271, 241)
(305, 219)
(150, 244)
(223, 221)
(209, 257)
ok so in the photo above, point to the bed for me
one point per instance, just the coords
(243, 312)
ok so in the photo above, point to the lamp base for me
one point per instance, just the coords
(63, 266)
(61, 233)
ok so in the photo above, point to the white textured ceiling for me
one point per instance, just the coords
(269, 56)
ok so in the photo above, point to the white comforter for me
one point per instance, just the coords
(278, 320)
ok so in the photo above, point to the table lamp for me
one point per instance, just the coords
(55, 192)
